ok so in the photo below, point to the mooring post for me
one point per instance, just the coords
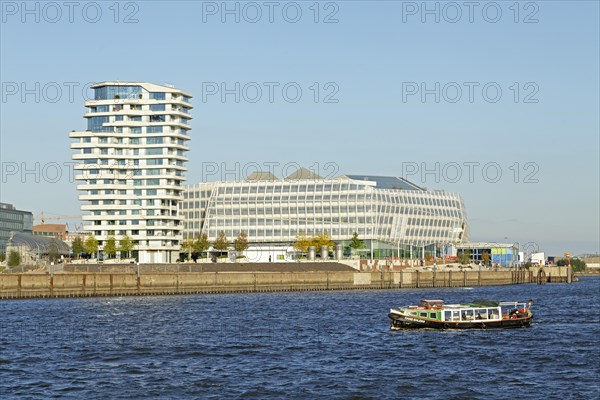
(138, 278)
(400, 280)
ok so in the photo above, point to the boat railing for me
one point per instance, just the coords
(515, 304)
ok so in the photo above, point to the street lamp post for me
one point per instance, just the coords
(444, 246)
(38, 252)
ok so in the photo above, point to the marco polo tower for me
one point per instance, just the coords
(131, 166)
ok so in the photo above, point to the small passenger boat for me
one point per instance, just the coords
(481, 314)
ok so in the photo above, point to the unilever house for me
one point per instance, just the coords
(394, 217)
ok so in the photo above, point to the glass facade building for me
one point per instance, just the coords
(131, 165)
(391, 214)
(13, 220)
(504, 254)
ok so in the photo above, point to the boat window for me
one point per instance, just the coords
(433, 315)
(493, 313)
(468, 315)
(447, 315)
(423, 314)
(456, 315)
(481, 313)
(413, 313)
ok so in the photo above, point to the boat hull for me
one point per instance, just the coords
(402, 322)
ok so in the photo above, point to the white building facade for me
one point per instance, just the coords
(394, 217)
(131, 165)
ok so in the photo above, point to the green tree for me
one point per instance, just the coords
(302, 242)
(201, 244)
(464, 257)
(14, 259)
(126, 245)
(91, 245)
(188, 247)
(221, 242)
(53, 252)
(356, 243)
(485, 257)
(2, 257)
(77, 246)
(110, 247)
(577, 264)
(240, 244)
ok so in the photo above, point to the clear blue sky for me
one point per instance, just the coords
(372, 56)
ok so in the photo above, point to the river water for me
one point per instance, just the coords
(298, 345)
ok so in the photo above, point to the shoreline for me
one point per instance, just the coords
(99, 284)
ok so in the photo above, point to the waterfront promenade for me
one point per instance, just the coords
(338, 277)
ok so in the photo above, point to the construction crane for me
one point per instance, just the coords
(43, 218)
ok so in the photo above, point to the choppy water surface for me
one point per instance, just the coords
(298, 345)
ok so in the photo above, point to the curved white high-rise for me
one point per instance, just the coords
(131, 165)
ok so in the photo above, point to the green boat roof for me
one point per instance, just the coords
(484, 303)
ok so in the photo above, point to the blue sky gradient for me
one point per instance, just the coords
(369, 55)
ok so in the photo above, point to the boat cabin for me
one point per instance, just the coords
(437, 310)
(472, 314)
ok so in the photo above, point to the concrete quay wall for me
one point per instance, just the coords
(20, 286)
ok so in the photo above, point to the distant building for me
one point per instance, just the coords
(394, 217)
(13, 220)
(58, 231)
(504, 254)
(36, 249)
(72, 235)
(538, 259)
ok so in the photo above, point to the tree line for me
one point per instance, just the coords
(303, 242)
(90, 246)
(194, 247)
